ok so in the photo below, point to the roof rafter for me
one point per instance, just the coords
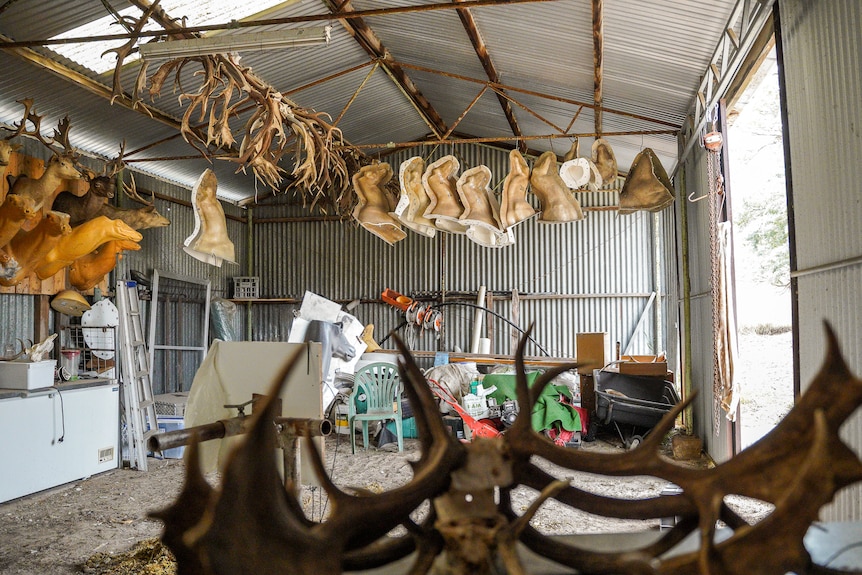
(481, 49)
(234, 24)
(365, 36)
(598, 59)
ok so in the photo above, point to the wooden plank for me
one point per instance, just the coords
(598, 58)
(516, 318)
(41, 328)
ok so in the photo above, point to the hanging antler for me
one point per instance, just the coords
(277, 127)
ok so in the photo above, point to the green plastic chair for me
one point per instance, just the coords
(380, 384)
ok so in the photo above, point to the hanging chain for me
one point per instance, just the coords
(716, 197)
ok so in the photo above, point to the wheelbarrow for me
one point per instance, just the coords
(632, 404)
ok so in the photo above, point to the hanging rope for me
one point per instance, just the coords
(716, 193)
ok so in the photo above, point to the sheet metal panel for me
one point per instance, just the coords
(40, 19)
(822, 54)
(434, 39)
(16, 320)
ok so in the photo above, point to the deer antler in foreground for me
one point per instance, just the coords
(255, 525)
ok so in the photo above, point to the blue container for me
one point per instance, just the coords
(170, 423)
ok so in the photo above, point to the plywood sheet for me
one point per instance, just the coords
(234, 370)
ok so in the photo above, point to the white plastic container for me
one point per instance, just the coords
(27, 374)
(475, 406)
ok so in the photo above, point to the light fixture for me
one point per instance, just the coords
(252, 42)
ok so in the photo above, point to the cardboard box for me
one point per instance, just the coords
(27, 374)
(642, 365)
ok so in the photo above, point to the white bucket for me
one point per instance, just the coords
(475, 406)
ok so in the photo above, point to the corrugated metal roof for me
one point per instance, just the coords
(654, 58)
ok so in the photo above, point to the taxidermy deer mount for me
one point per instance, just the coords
(62, 165)
(253, 524)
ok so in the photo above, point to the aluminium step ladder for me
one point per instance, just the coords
(139, 405)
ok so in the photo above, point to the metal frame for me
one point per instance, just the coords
(750, 16)
(154, 312)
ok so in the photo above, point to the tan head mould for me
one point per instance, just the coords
(414, 200)
(647, 186)
(559, 205)
(441, 184)
(374, 207)
(481, 211)
(604, 159)
(209, 241)
(514, 208)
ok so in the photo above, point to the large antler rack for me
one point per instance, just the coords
(203, 526)
(255, 525)
(276, 128)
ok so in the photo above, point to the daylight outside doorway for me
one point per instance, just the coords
(764, 367)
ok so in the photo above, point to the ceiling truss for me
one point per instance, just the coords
(381, 58)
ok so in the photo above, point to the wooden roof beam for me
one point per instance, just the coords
(481, 49)
(369, 41)
(598, 58)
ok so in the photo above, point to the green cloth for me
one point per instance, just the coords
(548, 411)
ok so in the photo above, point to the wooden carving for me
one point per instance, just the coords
(252, 524)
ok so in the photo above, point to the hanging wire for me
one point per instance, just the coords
(475, 306)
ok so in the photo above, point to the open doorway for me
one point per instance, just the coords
(764, 367)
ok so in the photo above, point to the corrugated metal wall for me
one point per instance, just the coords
(822, 62)
(594, 275)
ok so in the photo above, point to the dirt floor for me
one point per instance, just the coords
(83, 527)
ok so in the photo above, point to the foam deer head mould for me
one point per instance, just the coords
(647, 186)
(559, 205)
(441, 183)
(514, 208)
(481, 211)
(374, 210)
(209, 241)
(414, 199)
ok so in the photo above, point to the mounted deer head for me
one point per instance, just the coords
(61, 166)
(6, 145)
(137, 218)
(102, 188)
